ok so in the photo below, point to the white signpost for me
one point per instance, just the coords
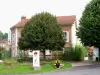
(36, 60)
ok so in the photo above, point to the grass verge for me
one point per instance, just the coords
(22, 68)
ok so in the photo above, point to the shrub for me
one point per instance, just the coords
(4, 54)
(76, 53)
(9, 63)
(68, 53)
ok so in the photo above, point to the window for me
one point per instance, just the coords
(13, 38)
(66, 36)
(13, 35)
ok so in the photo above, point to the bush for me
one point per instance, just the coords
(4, 54)
(9, 63)
(76, 53)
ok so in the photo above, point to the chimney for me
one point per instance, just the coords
(23, 17)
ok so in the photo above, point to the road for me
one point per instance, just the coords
(82, 70)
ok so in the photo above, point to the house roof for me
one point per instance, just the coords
(20, 23)
(63, 20)
(66, 20)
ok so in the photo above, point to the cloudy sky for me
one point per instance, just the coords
(12, 10)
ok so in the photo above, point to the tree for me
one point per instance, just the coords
(1, 51)
(89, 29)
(3, 35)
(42, 32)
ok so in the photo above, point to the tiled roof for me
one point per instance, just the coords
(63, 20)
(20, 23)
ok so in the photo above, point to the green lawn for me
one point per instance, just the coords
(20, 68)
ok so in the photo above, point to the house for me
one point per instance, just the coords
(68, 24)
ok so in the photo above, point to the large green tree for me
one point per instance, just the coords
(89, 26)
(42, 32)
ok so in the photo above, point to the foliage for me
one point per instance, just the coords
(9, 63)
(85, 51)
(3, 35)
(42, 32)
(4, 53)
(2, 48)
(89, 28)
(76, 53)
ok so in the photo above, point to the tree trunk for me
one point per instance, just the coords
(24, 53)
(57, 55)
(44, 57)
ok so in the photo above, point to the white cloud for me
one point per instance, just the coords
(12, 10)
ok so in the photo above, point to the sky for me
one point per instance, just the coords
(12, 10)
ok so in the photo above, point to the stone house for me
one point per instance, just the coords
(68, 27)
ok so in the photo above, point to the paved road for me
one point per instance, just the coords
(85, 70)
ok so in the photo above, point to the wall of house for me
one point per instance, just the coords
(19, 32)
(68, 28)
(74, 37)
(15, 35)
(13, 42)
